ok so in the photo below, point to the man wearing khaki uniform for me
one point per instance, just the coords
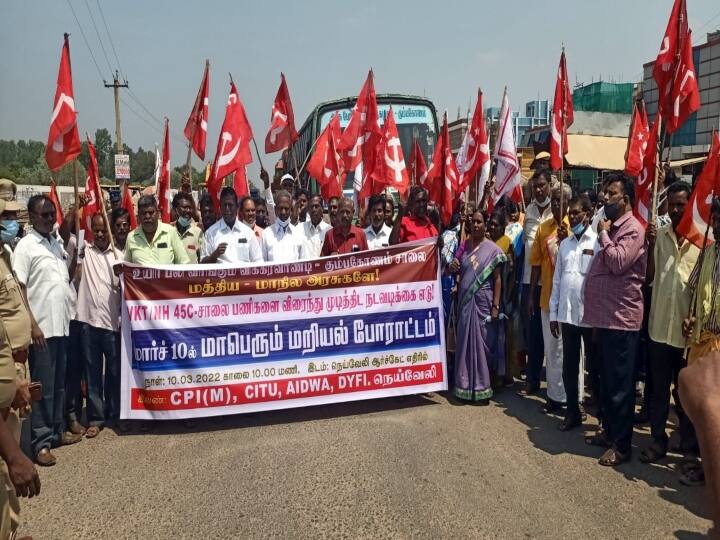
(14, 394)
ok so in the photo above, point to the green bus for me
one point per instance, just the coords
(415, 116)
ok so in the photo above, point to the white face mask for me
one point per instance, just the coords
(544, 202)
(282, 223)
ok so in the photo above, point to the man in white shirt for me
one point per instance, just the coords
(378, 233)
(41, 266)
(98, 308)
(537, 212)
(282, 242)
(575, 254)
(230, 240)
(314, 229)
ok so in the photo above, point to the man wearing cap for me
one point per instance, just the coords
(287, 183)
(11, 231)
(115, 199)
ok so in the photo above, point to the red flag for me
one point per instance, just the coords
(127, 203)
(56, 201)
(507, 166)
(684, 94)
(646, 176)
(390, 169)
(562, 116)
(196, 127)
(233, 149)
(362, 134)
(240, 182)
(474, 154)
(443, 175)
(282, 121)
(696, 217)
(418, 167)
(93, 195)
(667, 59)
(326, 164)
(63, 139)
(638, 142)
(163, 194)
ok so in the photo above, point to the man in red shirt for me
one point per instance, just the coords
(344, 237)
(416, 225)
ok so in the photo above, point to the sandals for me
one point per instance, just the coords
(599, 438)
(92, 432)
(693, 475)
(653, 453)
(613, 458)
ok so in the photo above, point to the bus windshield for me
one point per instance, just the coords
(415, 117)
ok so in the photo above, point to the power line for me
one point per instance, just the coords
(87, 44)
(141, 117)
(97, 33)
(174, 136)
(112, 44)
(137, 100)
(709, 21)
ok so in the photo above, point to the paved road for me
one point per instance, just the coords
(390, 468)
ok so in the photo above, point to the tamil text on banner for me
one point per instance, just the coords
(207, 340)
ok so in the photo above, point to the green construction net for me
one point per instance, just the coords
(604, 97)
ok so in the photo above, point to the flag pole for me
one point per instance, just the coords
(257, 153)
(307, 158)
(157, 170)
(101, 202)
(198, 106)
(659, 151)
(676, 67)
(77, 199)
(413, 176)
(562, 139)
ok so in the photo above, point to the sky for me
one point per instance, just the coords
(443, 50)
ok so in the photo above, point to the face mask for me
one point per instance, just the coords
(282, 223)
(544, 202)
(612, 210)
(183, 221)
(578, 229)
(9, 231)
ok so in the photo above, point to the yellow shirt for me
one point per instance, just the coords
(670, 292)
(543, 254)
(165, 248)
(505, 244)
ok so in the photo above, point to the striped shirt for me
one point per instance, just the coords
(712, 324)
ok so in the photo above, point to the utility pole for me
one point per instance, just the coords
(116, 86)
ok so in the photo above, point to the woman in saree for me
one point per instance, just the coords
(479, 263)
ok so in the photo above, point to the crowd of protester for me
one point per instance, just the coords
(572, 282)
